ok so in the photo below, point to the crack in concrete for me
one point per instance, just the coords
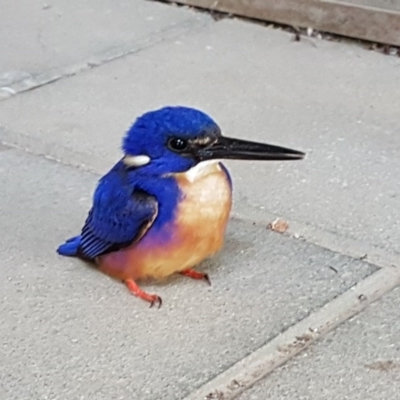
(330, 240)
(232, 382)
(33, 82)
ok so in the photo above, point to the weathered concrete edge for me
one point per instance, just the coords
(244, 374)
(352, 20)
(36, 81)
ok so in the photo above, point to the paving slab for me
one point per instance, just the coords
(37, 37)
(337, 102)
(360, 360)
(70, 332)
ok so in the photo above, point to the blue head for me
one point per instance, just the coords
(157, 140)
(175, 139)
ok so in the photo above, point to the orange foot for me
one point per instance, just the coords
(191, 273)
(135, 290)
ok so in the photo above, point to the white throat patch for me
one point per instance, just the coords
(200, 170)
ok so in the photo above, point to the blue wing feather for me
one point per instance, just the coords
(118, 216)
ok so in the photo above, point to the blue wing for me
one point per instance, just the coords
(120, 214)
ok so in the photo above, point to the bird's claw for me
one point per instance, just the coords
(191, 273)
(207, 279)
(156, 299)
(135, 290)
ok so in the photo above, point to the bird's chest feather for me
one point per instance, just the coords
(198, 229)
(196, 232)
(204, 210)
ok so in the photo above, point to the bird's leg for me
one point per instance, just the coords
(191, 273)
(135, 290)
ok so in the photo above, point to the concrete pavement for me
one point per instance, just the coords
(67, 321)
(337, 369)
(73, 80)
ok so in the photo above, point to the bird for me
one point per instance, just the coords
(163, 208)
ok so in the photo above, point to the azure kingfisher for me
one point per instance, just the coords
(164, 207)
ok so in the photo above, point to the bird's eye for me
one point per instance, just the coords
(177, 144)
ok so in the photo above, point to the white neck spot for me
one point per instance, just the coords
(136, 161)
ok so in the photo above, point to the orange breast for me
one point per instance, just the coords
(203, 214)
(197, 232)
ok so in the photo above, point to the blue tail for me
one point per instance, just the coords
(70, 247)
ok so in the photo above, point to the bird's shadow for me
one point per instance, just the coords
(211, 266)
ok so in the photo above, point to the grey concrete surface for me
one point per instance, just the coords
(337, 102)
(70, 332)
(38, 36)
(392, 5)
(360, 360)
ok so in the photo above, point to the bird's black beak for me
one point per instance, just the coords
(236, 149)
